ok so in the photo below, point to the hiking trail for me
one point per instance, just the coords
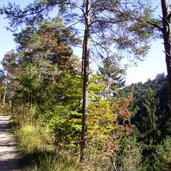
(9, 154)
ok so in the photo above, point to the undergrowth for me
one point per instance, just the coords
(39, 153)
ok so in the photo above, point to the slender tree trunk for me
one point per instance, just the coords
(5, 92)
(83, 53)
(86, 46)
(167, 42)
(4, 97)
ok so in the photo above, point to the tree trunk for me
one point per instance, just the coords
(5, 92)
(167, 42)
(86, 46)
(4, 97)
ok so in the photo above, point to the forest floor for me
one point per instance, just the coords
(9, 154)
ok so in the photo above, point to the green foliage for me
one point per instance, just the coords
(152, 120)
(151, 105)
(149, 125)
(128, 156)
(96, 87)
(161, 158)
(163, 154)
(66, 125)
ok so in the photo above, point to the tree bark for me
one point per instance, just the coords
(167, 42)
(4, 97)
(86, 46)
(5, 92)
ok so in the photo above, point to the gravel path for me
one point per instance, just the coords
(9, 156)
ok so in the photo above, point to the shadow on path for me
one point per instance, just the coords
(10, 165)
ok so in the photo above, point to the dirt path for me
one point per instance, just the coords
(9, 155)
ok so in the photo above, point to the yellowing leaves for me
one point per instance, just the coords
(101, 118)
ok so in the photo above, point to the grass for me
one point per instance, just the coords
(34, 138)
(53, 163)
(39, 154)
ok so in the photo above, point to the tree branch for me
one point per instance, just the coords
(155, 25)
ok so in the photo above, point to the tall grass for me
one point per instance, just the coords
(34, 138)
(36, 144)
(54, 163)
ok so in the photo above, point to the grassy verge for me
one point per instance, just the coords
(39, 153)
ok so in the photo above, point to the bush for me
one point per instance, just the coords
(128, 157)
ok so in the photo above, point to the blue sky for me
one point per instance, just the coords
(153, 64)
